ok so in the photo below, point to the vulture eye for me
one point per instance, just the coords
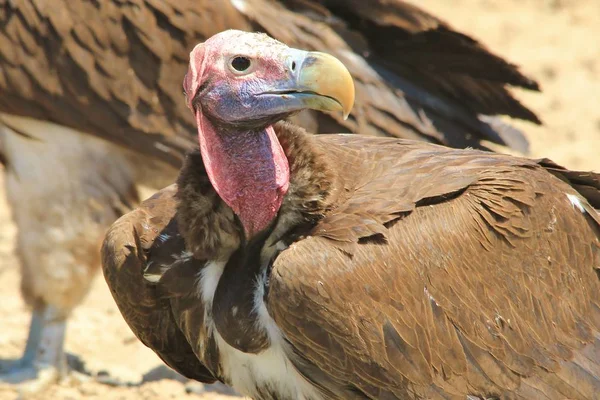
(240, 63)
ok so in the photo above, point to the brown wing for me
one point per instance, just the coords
(484, 282)
(415, 76)
(150, 233)
(110, 68)
(114, 69)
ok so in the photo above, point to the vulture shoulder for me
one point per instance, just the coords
(134, 247)
(444, 270)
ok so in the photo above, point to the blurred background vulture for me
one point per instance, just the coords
(297, 266)
(91, 106)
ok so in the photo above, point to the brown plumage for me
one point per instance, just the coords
(393, 269)
(72, 70)
(416, 77)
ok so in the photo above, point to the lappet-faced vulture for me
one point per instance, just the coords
(91, 104)
(298, 266)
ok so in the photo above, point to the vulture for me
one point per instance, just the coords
(91, 107)
(299, 266)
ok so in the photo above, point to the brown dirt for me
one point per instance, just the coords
(553, 40)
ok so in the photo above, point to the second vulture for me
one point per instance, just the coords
(297, 266)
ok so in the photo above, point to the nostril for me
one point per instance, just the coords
(293, 65)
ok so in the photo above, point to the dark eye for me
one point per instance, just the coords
(240, 64)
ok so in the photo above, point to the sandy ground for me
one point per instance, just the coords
(554, 41)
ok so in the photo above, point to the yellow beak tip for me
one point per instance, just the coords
(328, 76)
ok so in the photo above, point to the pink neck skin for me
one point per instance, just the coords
(249, 171)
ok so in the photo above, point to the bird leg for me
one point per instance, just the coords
(50, 351)
(44, 362)
(31, 346)
(33, 339)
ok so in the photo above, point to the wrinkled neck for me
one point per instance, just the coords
(249, 170)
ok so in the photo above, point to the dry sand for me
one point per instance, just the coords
(554, 41)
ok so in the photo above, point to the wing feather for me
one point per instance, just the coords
(147, 312)
(485, 293)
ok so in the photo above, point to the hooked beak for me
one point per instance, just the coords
(326, 83)
(318, 81)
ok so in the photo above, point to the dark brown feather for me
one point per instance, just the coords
(125, 255)
(206, 223)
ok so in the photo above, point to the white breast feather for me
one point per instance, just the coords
(246, 371)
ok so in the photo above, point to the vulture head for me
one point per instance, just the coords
(240, 83)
